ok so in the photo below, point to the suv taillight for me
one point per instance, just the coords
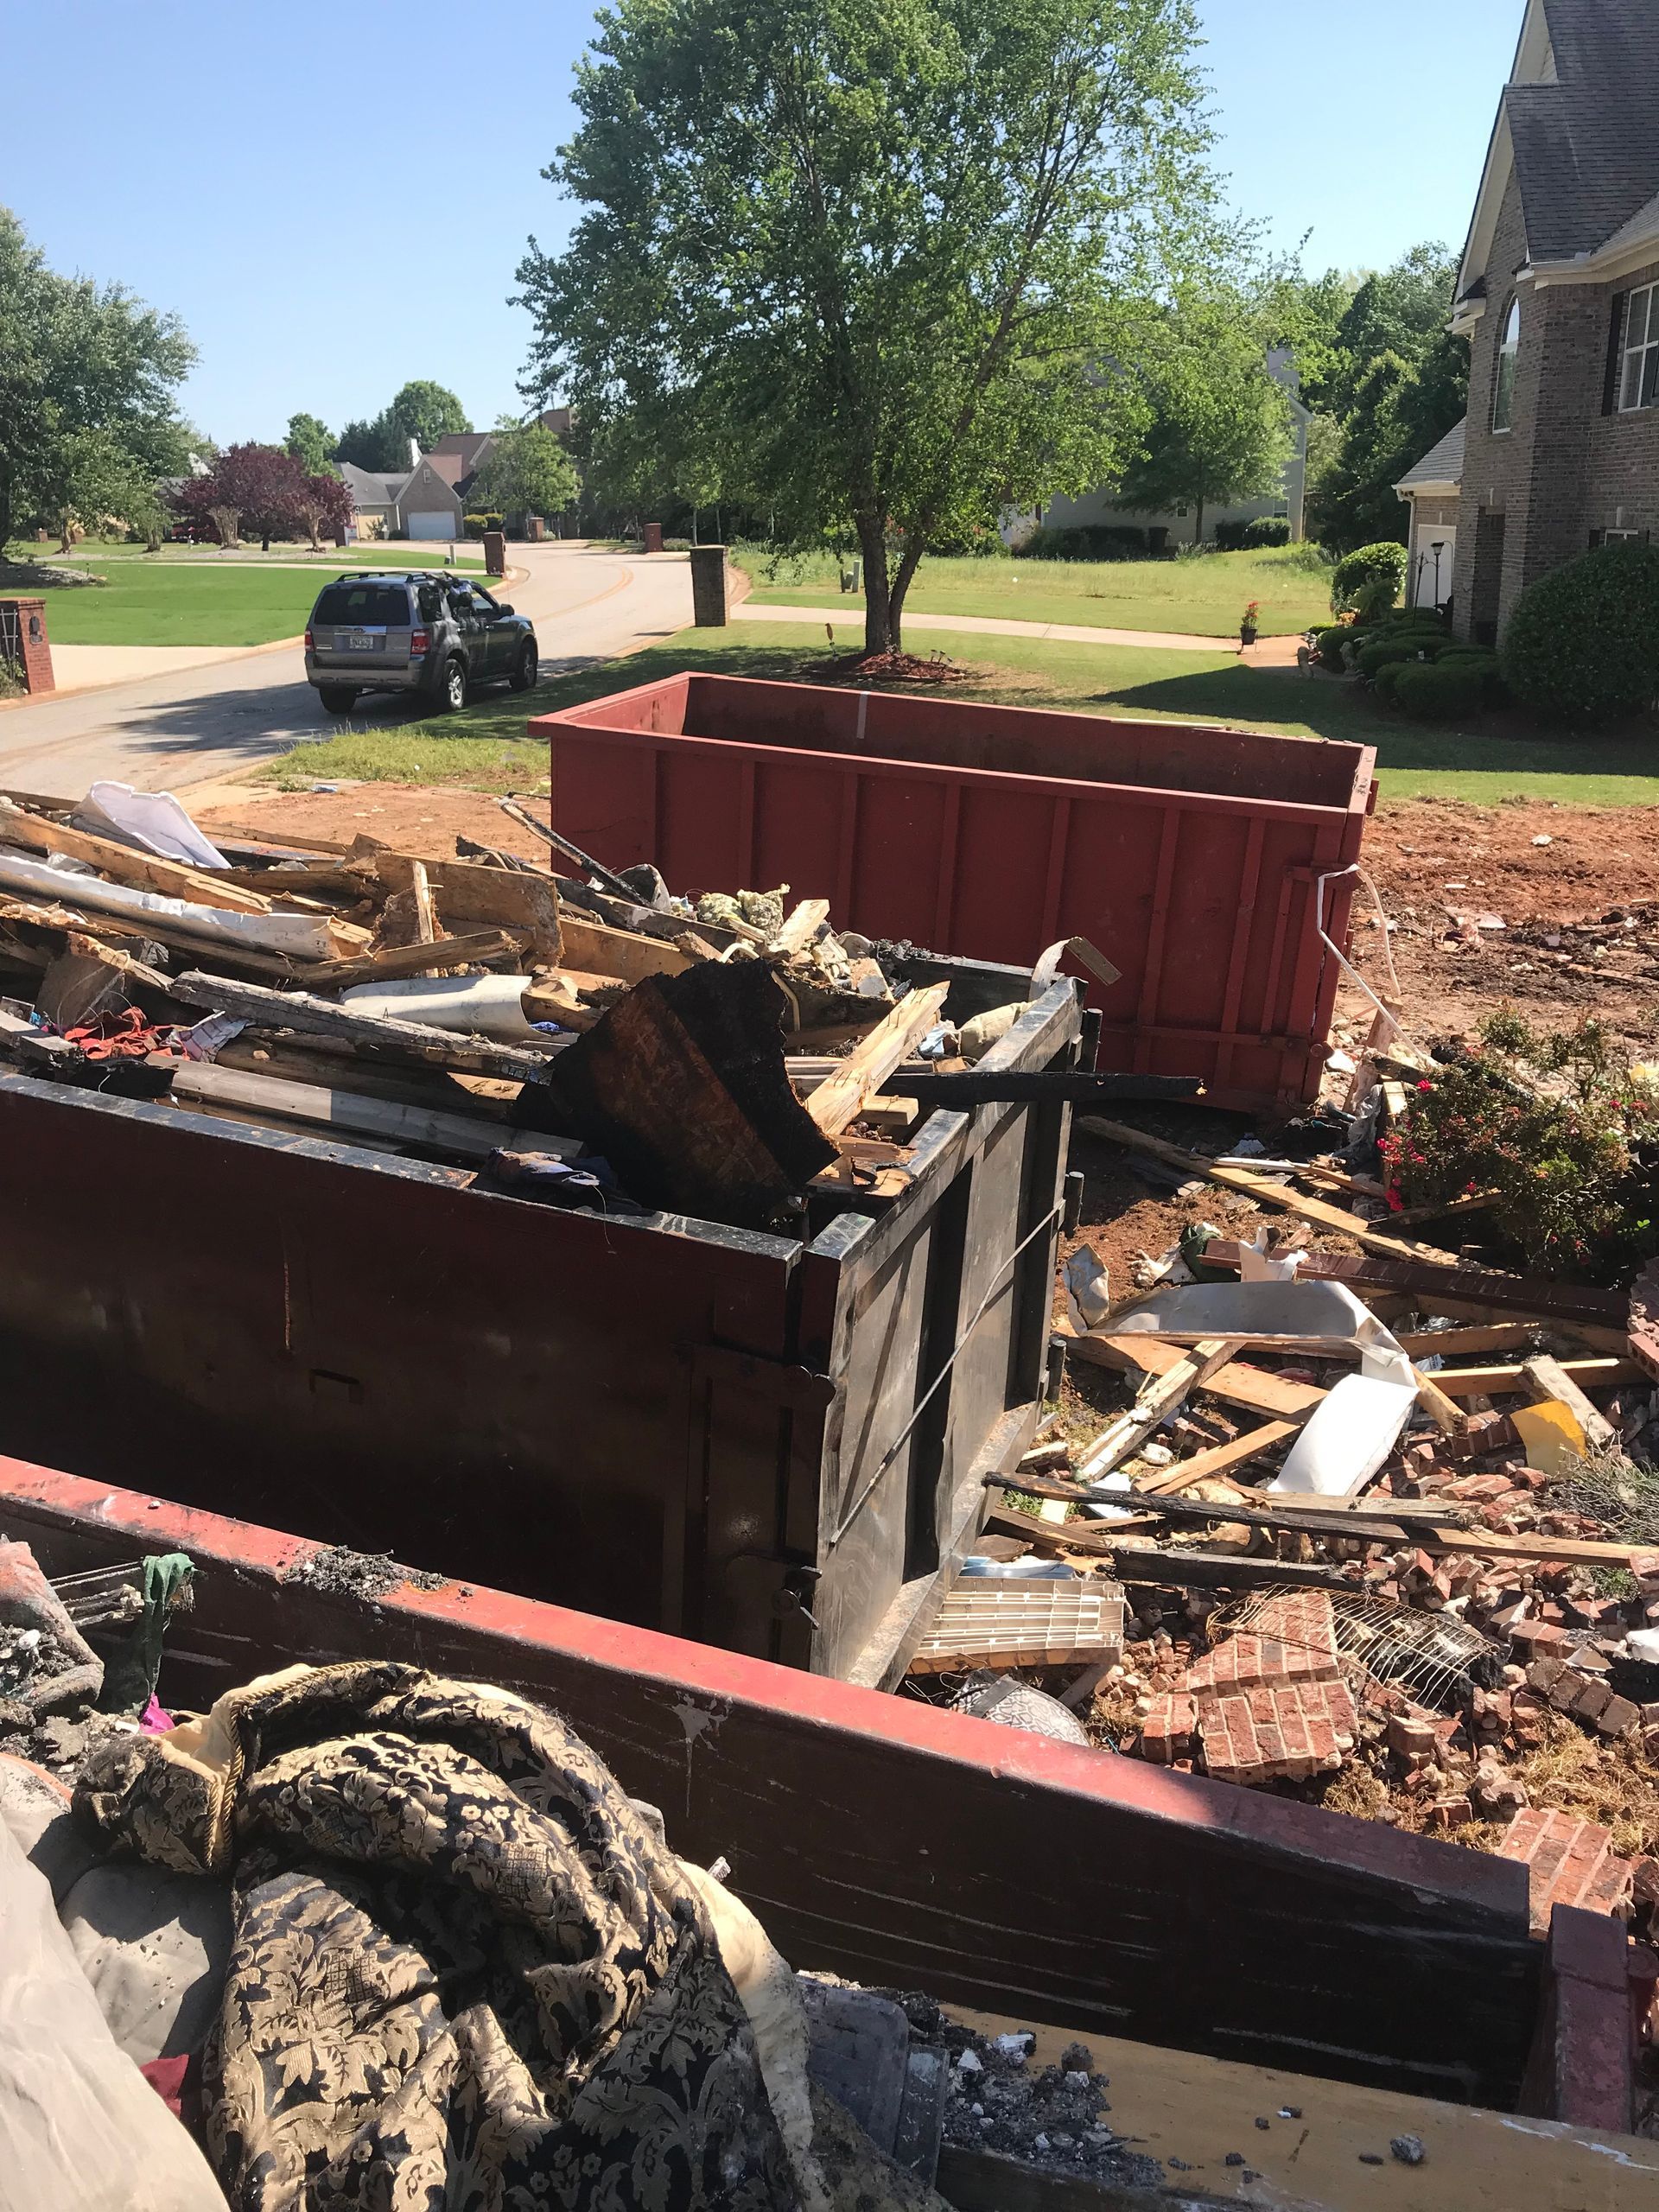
(418, 642)
(310, 644)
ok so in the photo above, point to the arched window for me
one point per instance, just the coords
(1504, 395)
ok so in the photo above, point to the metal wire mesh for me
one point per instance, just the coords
(1435, 1658)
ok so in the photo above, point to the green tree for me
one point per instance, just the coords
(1401, 410)
(88, 378)
(1306, 314)
(866, 257)
(426, 412)
(1220, 428)
(526, 471)
(376, 444)
(311, 443)
(1402, 310)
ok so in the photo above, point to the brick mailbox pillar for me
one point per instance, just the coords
(536, 528)
(495, 553)
(709, 586)
(23, 641)
(653, 534)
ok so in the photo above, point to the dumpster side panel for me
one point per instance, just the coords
(880, 1839)
(996, 830)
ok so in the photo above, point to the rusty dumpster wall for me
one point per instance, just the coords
(654, 1419)
(883, 1840)
(1189, 855)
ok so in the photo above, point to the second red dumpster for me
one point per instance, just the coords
(1214, 868)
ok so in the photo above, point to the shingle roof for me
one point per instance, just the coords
(370, 490)
(1443, 466)
(1586, 152)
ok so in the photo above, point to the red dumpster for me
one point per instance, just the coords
(1192, 857)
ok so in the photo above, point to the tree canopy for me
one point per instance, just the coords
(311, 443)
(1221, 426)
(526, 471)
(864, 258)
(423, 410)
(266, 491)
(88, 381)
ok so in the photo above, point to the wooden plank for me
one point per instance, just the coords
(426, 926)
(1264, 1192)
(298, 1010)
(837, 1100)
(1157, 1398)
(1235, 1384)
(1579, 1551)
(1364, 1526)
(1437, 1405)
(623, 955)
(1552, 1379)
(124, 864)
(1480, 1381)
(321, 1061)
(1447, 1211)
(481, 950)
(1221, 1458)
(1434, 1282)
(465, 891)
(1202, 1570)
(801, 925)
(272, 1097)
(223, 833)
(1463, 1344)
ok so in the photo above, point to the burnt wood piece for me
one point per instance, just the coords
(585, 861)
(1194, 1570)
(682, 1087)
(1527, 1294)
(297, 1010)
(1074, 1086)
(1391, 1527)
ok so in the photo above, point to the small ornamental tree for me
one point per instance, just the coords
(1369, 582)
(322, 504)
(251, 487)
(526, 472)
(1583, 642)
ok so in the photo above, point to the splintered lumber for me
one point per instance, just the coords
(682, 1087)
(1294, 1516)
(984, 1622)
(585, 861)
(226, 833)
(1569, 1551)
(1466, 1343)
(1264, 1191)
(480, 950)
(1437, 1404)
(1159, 1396)
(464, 891)
(1136, 1564)
(1550, 1378)
(126, 864)
(1480, 1382)
(316, 1106)
(420, 884)
(1529, 1295)
(298, 1010)
(1087, 956)
(840, 1097)
(1235, 1384)
(1221, 1458)
(628, 955)
(330, 1065)
(801, 925)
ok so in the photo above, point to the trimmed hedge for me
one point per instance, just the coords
(1584, 641)
(1330, 643)
(1387, 652)
(1252, 536)
(1090, 542)
(1369, 582)
(1387, 677)
(1430, 692)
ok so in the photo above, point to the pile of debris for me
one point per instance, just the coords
(567, 1035)
(1378, 1529)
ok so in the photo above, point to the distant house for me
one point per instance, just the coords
(459, 457)
(419, 503)
(1095, 510)
(1434, 491)
(1559, 295)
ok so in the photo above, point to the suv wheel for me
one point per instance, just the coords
(452, 692)
(525, 668)
(337, 698)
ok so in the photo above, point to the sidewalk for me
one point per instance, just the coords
(1270, 652)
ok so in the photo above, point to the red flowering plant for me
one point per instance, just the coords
(1559, 1127)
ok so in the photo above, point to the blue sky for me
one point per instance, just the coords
(324, 241)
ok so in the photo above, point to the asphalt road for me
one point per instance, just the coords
(168, 732)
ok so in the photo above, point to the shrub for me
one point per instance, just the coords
(475, 525)
(1584, 641)
(1431, 692)
(1557, 1124)
(1386, 677)
(1331, 643)
(1387, 652)
(1485, 664)
(1369, 582)
(1093, 541)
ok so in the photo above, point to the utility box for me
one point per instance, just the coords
(652, 534)
(1213, 867)
(709, 586)
(24, 645)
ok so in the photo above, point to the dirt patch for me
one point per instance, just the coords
(360, 1574)
(423, 818)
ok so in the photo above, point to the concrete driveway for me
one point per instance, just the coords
(168, 731)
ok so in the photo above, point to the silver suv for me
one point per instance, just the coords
(430, 631)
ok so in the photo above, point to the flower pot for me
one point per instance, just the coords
(1247, 634)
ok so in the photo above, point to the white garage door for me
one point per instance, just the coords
(442, 525)
(1432, 584)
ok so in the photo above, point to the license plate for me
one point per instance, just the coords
(360, 644)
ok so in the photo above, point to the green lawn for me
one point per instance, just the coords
(484, 746)
(1203, 597)
(378, 553)
(175, 604)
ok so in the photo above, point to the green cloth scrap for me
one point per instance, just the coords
(131, 1670)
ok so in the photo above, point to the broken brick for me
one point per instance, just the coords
(1569, 1861)
(1450, 1813)
(1294, 1730)
(1618, 1716)
(1166, 1731)
(1540, 1639)
(1411, 1738)
(1590, 1701)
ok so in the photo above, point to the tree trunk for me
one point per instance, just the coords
(896, 596)
(1198, 539)
(878, 616)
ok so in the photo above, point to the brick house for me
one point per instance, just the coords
(1558, 297)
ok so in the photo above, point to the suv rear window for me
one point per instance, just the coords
(343, 605)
